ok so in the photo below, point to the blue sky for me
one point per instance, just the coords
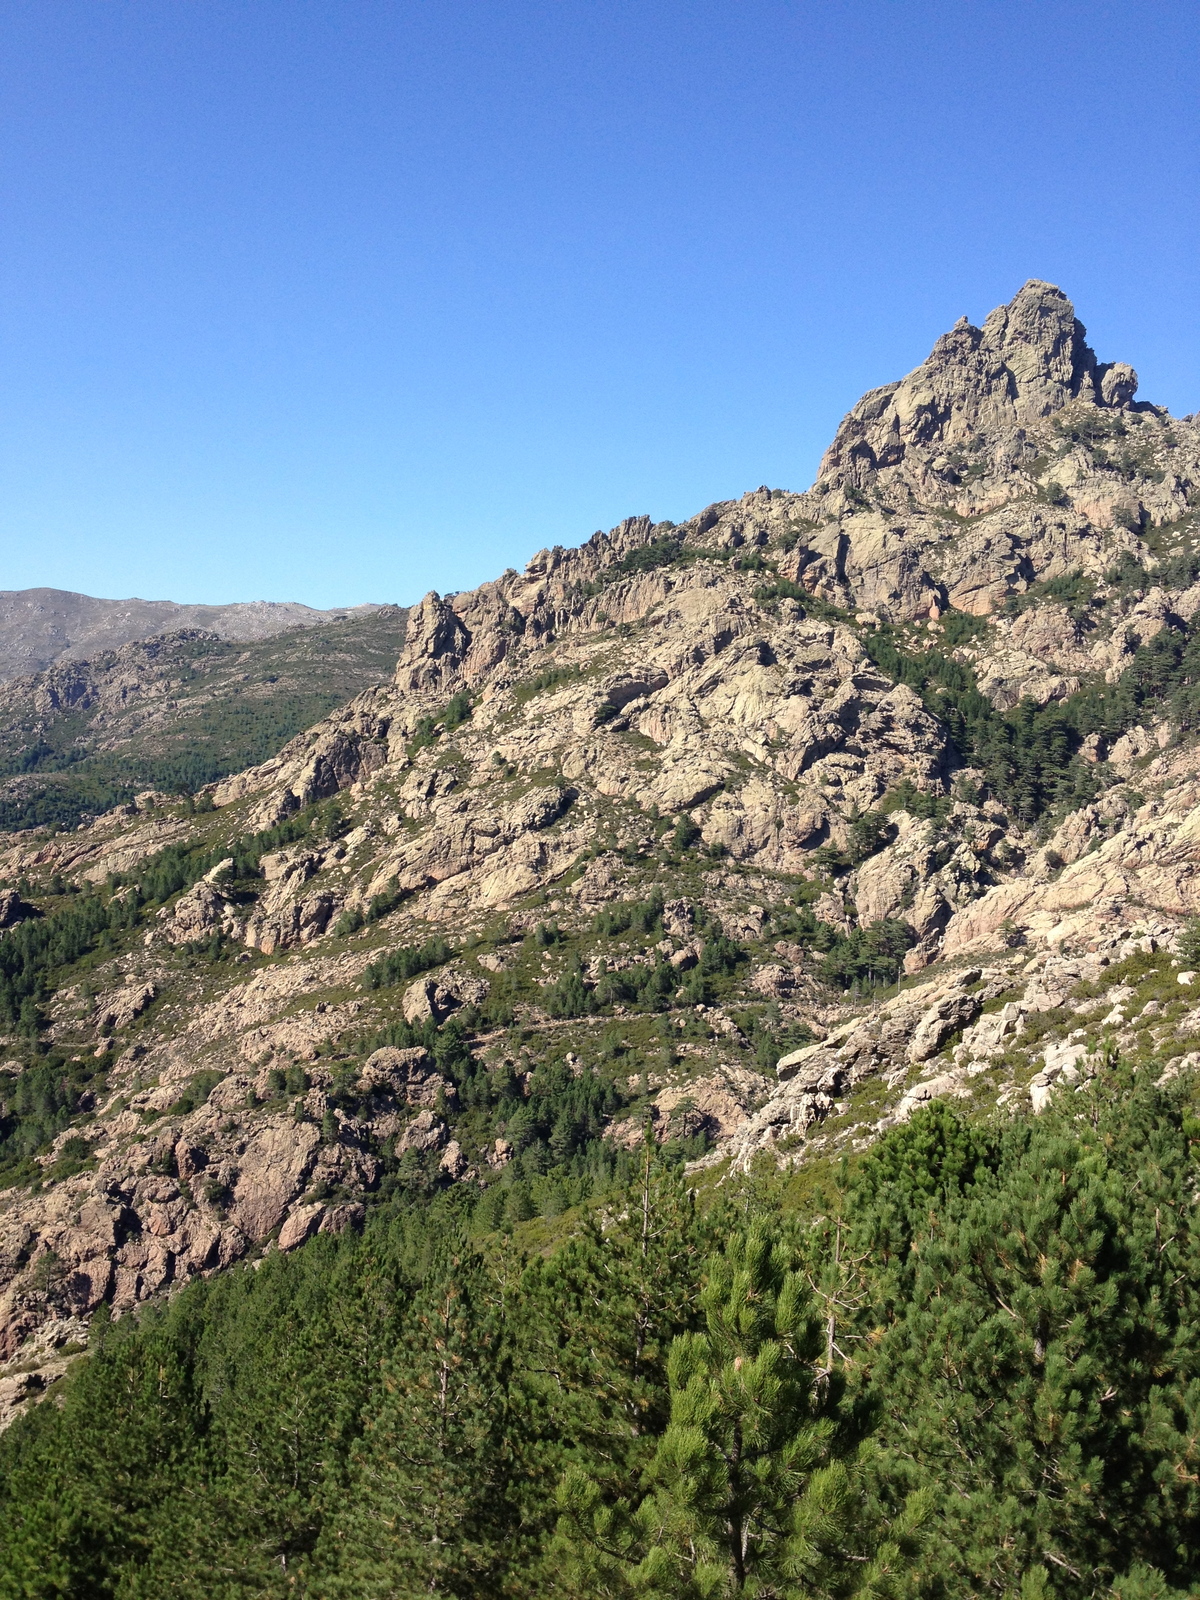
(346, 301)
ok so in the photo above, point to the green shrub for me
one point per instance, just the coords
(195, 1094)
(407, 962)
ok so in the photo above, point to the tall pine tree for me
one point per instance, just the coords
(749, 1492)
(427, 1509)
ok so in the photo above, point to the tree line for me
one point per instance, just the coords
(965, 1365)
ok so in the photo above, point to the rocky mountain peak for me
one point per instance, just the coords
(646, 833)
(978, 386)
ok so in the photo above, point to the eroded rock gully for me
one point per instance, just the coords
(690, 713)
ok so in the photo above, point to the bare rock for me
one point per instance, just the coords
(936, 1088)
(409, 1075)
(453, 1162)
(274, 1167)
(679, 918)
(198, 914)
(995, 1032)
(300, 1225)
(426, 1131)
(940, 1021)
(437, 997)
(336, 1219)
(190, 1159)
(123, 1006)
(13, 909)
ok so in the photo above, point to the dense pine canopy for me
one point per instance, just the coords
(972, 1367)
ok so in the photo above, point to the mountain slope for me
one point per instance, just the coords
(175, 712)
(39, 627)
(628, 829)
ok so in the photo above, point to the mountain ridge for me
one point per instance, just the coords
(40, 627)
(762, 829)
(174, 712)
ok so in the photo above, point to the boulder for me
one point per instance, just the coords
(939, 1022)
(425, 1132)
(300, 1225)
(123, 1006)
(273, 1170)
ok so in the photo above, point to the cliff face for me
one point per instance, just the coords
(1010, 455)
(646, 819)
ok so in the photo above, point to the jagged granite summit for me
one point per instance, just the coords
(981, 388)
(658, 812)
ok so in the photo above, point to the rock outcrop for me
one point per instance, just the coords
(609, 816)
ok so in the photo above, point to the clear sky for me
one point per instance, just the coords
(343, 300)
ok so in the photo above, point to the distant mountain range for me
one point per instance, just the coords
(180, 709)
(39, 627)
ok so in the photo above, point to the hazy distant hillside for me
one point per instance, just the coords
(176, 711)
(41, 626)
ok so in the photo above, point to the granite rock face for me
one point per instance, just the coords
(971, 478)
(689, 713)
(1029, 360)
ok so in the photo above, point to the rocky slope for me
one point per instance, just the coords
(644, 835)
(175, 711)
(39, 627)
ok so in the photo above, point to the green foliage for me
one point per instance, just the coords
(409, 961)
(34, 949)
(686, 834)
(654, 985)
(863, 957)
(568, 997)
(976, 1372)
(870, 956)
(869, 833)
(430, 1491)
(907, 797)
(637, 916)
(959, 628)
(1027, 1332)
(199, 1086)
(1071, 589)
(1189, 941)
(37, 1105)
(600, 1318)
(458, 709)
(1089, 425)
(548, 678)
(1025, 754)
(771, 1038)
(429, 729)
(648, 557)
(749, 1492)
(236, 705)
(37, 953)
(379, 906)
(1029, 754)
(814, 606)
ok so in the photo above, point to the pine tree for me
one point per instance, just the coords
(1031, 1342)
(749, 1492)
(427, 1510)
(597, 1320)
(83, 1502)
